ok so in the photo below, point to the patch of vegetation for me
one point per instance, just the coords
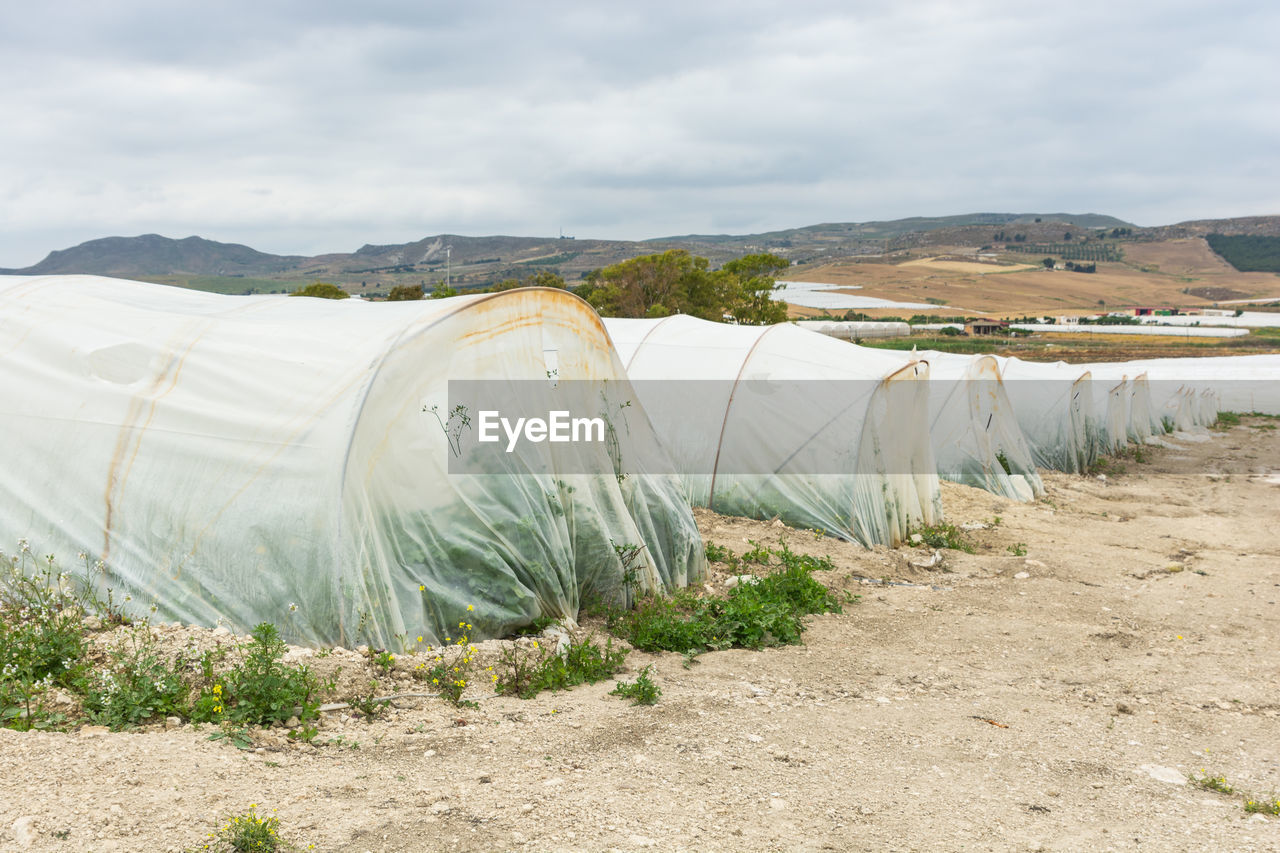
(642, 691)
(1018, 549)
(1226, 420)
(140, 684)
(720, 554)
(944, 536)
(250, 832)
(676, 282)
(767, 612)
(1211, 783)
(42, 637)
(449, 668)
(1247, 252)
(322, 290)
(527, 672)
(261, 689)
(1263, 805)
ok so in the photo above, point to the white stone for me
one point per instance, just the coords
(1022, 575)
(24, 830)
(1164, 774)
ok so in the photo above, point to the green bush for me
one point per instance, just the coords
(42, 638)
(765, 611)
(944, 536)
(139, 685)
(643, 691)
(527, 672)
(322, 290)
(261, 689)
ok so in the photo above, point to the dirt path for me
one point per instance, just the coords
(980, 708)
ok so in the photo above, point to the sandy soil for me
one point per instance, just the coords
(1001, 703)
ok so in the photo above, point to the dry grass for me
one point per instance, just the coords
(1151, 274)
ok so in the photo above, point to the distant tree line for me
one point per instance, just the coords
(1247, 252)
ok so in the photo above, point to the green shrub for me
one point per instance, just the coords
(765, 611)
(527, 672)
(261, 689)
(322, 290)
(140, 684)
(944, 536)
(643, 691)
(42, 638)
(249, 832)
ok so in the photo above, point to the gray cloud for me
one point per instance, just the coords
(318, 126)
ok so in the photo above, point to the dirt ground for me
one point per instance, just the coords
(1052, 701)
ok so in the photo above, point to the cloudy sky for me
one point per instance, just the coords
(316, 125)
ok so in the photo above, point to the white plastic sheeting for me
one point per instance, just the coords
(853, 330)
(788, 423)
(1240, 383)
(269, 459)
(1054, 405)
(974, 429)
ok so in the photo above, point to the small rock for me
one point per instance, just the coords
(429, 753)
(777, 804)
(754, 738)
(1022, 575)
(222, 631)
(1033, 564)
(1122, 708)
(526, 808)
(94, 731)
(1164, 774)
(173, 722)
(1102, 477)
(292, 723)
(24, 830)
(916, 538)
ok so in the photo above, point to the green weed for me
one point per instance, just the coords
(944, 536)
(527, 672)
(768, 612)
(643, 691)
(261, 689)
(139, 684)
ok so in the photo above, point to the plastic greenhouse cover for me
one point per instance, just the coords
(794, 424)
(1239, 383)
(259, 458)
(1054, 406)
(974, 430)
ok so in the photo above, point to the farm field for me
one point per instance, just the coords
(1053, 690)
(1183, 273)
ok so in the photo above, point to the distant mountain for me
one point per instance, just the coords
(914, 224)
(152, 254)
(479, 261)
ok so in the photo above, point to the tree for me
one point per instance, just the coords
(676, 282)
(405, 293)
(1048, 263)
(322, 290)
(443, 291)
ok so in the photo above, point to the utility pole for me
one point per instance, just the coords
(448, 266)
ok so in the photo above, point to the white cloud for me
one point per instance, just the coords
(309, 127)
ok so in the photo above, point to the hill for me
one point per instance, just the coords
(481, 261)
(151, 254)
